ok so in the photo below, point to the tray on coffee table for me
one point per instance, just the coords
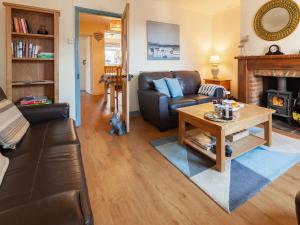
(214, 116)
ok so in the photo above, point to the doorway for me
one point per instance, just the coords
(106, 53)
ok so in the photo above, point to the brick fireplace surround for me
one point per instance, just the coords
(252, 69)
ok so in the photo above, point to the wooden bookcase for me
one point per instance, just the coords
(32, 76)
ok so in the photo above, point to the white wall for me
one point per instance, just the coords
(257, 46)
(226, 37)
(195, 40)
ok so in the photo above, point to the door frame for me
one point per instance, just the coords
(79, 10)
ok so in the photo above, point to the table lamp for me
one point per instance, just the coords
(215, 60)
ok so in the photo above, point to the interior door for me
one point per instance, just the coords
(125, 97)
(85, 64)
(83, 53)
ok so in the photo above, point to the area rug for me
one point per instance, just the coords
(244, 176)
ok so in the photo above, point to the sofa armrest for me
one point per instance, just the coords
(153, 105)
(298, 207)
(59, 209)
(219, 93)
(42, 113)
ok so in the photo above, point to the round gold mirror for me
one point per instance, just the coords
(276, 19)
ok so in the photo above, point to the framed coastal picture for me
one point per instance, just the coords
(163, 41)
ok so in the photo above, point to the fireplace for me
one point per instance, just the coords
(281, 100)
(270, 81)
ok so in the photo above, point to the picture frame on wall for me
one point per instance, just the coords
(163, 41)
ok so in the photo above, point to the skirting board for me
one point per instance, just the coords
(134, 113)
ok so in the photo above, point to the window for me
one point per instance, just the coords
(113, 52)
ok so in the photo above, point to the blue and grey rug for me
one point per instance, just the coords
(244, 176)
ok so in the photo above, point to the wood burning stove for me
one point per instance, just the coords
(281, 100)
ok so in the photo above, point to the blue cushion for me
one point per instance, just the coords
(161, 86)
(174, 87)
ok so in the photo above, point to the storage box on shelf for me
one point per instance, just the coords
(32, 58)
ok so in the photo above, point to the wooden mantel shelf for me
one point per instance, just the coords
(260, 57)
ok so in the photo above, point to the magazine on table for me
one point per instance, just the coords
(204, 140)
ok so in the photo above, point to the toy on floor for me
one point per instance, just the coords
(118, 128)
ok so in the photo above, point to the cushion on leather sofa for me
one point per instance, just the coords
(51, 133)
(201, 98)
(13, 124)
(175, 103)
(61, 209)
(174, 87)
(17, 183)
(146, 79)
(43, 170)
(190, 81)
(44, 113)
(161, 86)
(61, 132)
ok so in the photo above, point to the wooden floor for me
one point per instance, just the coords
(132, 184)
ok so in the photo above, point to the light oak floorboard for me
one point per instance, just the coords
(130, 183)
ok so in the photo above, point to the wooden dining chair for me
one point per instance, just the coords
(117, 71)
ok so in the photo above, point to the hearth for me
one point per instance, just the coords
(281, 100)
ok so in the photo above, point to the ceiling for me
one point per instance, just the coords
(91, 18)
(205, 6)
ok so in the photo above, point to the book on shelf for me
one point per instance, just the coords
(29, 26)
(238, 135)
(204, 140)
(35, 100)
(22, 25)
(24, 50)
(16, 25)
(46, 55)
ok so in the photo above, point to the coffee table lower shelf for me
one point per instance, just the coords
(239, 147)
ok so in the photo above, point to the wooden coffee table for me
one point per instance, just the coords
(247, 117)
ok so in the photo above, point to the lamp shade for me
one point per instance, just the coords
(115, 25)
(215, 59)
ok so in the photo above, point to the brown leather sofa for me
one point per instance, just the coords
(45, 181)
(158, 108)
(298, 207)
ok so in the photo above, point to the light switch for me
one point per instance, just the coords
(70, 41)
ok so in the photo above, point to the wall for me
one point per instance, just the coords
(226, 37)
(195, 40)
(98, 58)
(257, 46)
